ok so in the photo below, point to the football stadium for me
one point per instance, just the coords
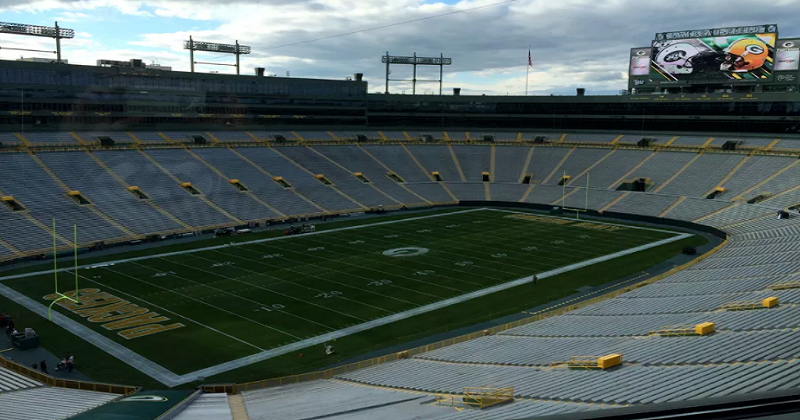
(238, 247)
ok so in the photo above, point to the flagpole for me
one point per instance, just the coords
(527, 70)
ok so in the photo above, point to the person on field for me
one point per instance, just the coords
(43, 367)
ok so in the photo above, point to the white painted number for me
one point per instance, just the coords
(164, 274)
(319, 248)
(452, 226)
(223, 264)
(424, 231)
(276, 307)
(499, 255)
(391, 236)
(558, 242)
(356, 242)
(463, 263)
(327, 295)
(424, 272)
(530, 248)
(380, 283)
(272, 256)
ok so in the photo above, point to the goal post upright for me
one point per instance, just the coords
(55, 269)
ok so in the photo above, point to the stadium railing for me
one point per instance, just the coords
(330, 373)
(67, 383)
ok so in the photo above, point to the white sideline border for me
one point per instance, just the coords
(171, 379)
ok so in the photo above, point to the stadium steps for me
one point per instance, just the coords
(670, 141)
(288, 159)
(455, 160)
(225, 177)
(271, 176)
(414, 158)
(80, 140)
(335, 137)
(22, 139)
(728, 176)
(388, 169)
(617, 139)
(238, 408)
(558, 165)
(10, 247)
(165, 137)
(91, 208)
(564, 197)
(179, 182)
(487, 193)
(614, 201)
(253, 136)
(592, 166)
(136, 140)
(784, 192)
(214, 139)
(672, 206)
(629, 173)
(447, 190)
(126, 185)
(371, 184)
(408, 136)
(527, 163)
(714, 213)
(768, 179)
(297, 136)
(446, 136)
(383, 136)
(772, 144)
(527, 193)
(707, 143)
(744, 222)
(676, 174)
(492, 159)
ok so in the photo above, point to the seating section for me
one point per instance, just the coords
(544, 161)
(207, 407)
(579, 161)
(50, 403)
(695, 141)
(702, 175)
(589, 138)
(474, 160)
(135, 169)
(211, 184)
(149, 137)
(12, 381)
(509, 163)
(80, 172)
(59, 137)
(436, 158)
(613, 167)
(662, 166)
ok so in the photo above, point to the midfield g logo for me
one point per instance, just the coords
(411, 251)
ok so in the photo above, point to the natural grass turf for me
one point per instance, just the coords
(229, 298)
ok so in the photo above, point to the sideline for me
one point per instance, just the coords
(171, 379)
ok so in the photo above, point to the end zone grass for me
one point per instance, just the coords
(237, 301)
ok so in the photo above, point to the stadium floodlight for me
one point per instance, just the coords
(415, 61)
(214, 47)
(34, 30)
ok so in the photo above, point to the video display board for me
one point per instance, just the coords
(640, 62)
(787, 55)
(732, 56)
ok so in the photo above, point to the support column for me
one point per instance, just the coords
(58, 44)
(191, 53)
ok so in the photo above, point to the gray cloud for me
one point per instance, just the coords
(574, 41)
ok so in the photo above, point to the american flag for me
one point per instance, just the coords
(530, 63)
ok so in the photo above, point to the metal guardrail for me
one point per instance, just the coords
(67, 383)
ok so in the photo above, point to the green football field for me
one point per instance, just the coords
(202, 308)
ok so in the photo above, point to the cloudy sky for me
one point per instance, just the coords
(574, 43)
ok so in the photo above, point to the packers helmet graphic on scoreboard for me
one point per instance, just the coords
(745, 54)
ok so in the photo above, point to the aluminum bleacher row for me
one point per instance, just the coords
(26, 399)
